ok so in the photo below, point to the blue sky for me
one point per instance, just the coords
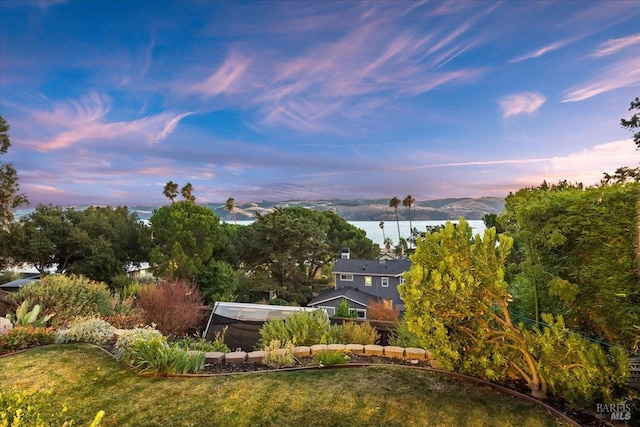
(107, 101)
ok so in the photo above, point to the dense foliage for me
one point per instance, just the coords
(71, 296)
(300, 328)
(22, 337)
(185, 236)
(10, 199)
(98, 242)
(457, 305)
(577, 256)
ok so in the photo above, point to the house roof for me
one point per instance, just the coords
(355, 295)
(369, 267)
(19, 283)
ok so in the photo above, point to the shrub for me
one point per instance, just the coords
(279, 354)
(328, 358)
(24, 317)
(380, 311)
(173, 306)
(125, 321)
(300, 328)
(34, 409)
(22, 337)
(342, 309)
(351, 333)
(68, 297)
(403, 337)
(91, 330)
(201, 344)
(576, 369)
(128, 337)
(153, 355)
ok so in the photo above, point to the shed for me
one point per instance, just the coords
(243, 321)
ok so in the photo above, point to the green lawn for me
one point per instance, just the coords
(87, 380)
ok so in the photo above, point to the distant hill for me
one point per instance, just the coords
(376, 209)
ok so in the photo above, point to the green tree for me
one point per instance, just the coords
(217, 281)
(170, 190)
(394, 203)
(457, 304)
(10, 199)
(634, 121)
(407, 203)
(341, 234)
(230, 205)
(381, 225)
(99, 242)
(185, 238)
(187, 192)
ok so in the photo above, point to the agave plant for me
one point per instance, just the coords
(24, 317)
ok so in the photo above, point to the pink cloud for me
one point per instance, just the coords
(615, 45)
(624, 73)
(225, 80)
(521, 103)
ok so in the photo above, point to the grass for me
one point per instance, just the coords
(87, 380)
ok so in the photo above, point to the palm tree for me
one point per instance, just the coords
(230, 205)
(394, 203)
(388, 243)
(170, 190)
(382, 228)
(407, 202)
(186, 192)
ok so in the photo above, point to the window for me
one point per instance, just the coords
(360, 313)
(346, 277)
(331, 311)
(367, 280)
(384, 282)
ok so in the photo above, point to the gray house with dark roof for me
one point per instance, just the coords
(361, 281)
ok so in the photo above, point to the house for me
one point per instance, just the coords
(15, 285)
(361, 282)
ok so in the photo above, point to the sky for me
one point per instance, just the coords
(264, 100)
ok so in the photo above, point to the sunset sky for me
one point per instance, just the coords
(265, 100)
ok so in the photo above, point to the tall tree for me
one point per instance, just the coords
(634, 121)
(187, 192)
(170, 190)
(382, 228)
(388, 243)
(407, 203)
(185, 238)
(230, 205)
(10, 199)
(394, 203)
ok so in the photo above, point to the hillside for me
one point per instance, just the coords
(376, 209)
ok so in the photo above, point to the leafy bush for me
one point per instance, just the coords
(342, 309)
(279, 354)
(201, 344)
(68, 297)
(128, 337)
(328, 358)
(576, 369)
(173, 306)
(91, 330)
(22, 337)
(380, 311)
(300, 328)
(124, 321)
(34, 409)
(24, 317)
(351, 333)
(403, 337)
(153, 355)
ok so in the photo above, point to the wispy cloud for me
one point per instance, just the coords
(539, 52)
(624, 73)
(225, 80)
(78, 121)
(521, 103)
(615, 45)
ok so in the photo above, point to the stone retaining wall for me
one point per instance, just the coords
(366, 350)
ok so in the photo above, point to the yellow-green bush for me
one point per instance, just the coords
(69, 297)
(351, 333)
(34, 409)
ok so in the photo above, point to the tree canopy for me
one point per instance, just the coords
(634, 121)
(10, 198)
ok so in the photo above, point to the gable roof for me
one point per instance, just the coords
(372, 267)
(352, 294)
